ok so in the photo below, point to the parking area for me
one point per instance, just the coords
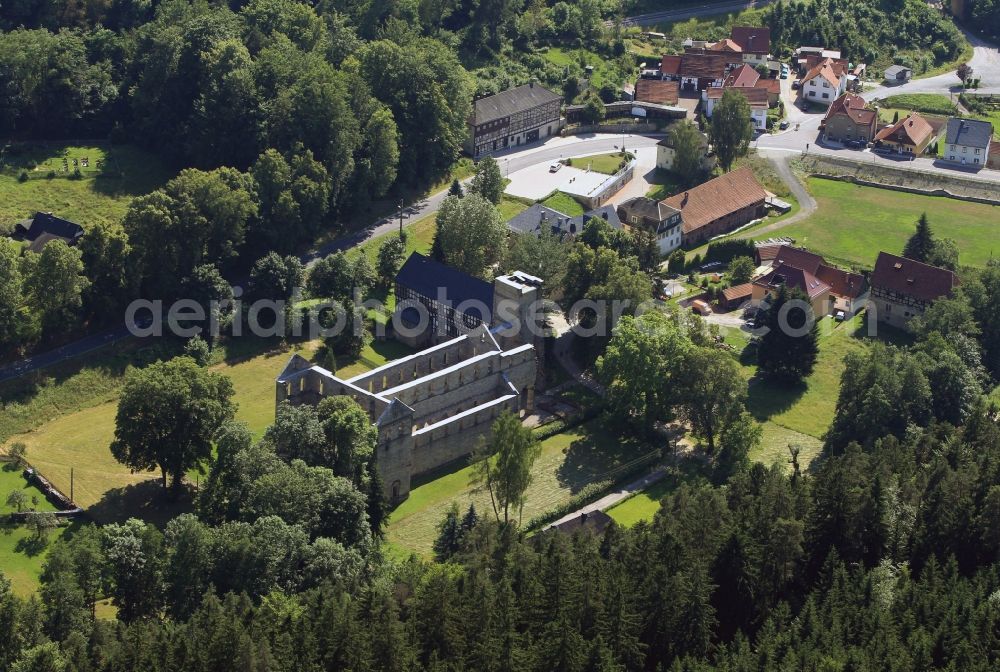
(537, 182)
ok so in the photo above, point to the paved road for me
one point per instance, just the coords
(510, 161)
(682, 14)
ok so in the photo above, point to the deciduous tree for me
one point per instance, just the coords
(167, 416)
(471, 234)
(731, 127)
(504, 466)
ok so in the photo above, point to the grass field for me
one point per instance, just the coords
(568, 462)
(11, 479)
(79, 439)
(564, 203)
(853, 223)
(99, 195)
(608, 164)
(576, 59)
(21, 559)
(931, 103)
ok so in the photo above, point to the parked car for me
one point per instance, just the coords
(785, 72)
(839, 316)
(783, 125)
(555, 167)
(797, 84)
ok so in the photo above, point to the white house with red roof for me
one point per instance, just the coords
(825, 82)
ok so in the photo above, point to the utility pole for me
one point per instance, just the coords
(71, 485)
(400, 217)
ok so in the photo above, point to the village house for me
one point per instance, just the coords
(699, 70)
(718, 206)
(902, 289)
(848, 119)
(802, 55)
(656, 217)
(514, 117)
(670, 67)
(829, 289)
(45, 227)
(825, 81)
(910, 135)
(967, 141)
(665, 153)
(754, 43)
(756, 97)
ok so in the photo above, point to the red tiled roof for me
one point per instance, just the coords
(842, 283)
(995, 148)
(757, 97)
(773, 86)
(726, 45)
(912, 278)
(661, 92)
(853, 107)
(911, 130)
(670, 65)
(796, 278)
(704, 65)
(743, 76)
(737, 292)
(751, 39)
(839, 65)
(825, 70)
(717, 198)
(799, 258)
(767, 253)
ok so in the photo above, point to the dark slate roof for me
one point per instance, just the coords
(536, 216)
(752, 39)
(511, 101)
(969, 132)
(594, 521)
(55, 227)
(606, 212)
(424, 276)
(912, 278)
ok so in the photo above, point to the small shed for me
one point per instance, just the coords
(734, 297)
(898, 74)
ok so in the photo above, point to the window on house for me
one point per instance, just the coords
(953, 148)
(977, 152)
(965, 150)
(826, 95)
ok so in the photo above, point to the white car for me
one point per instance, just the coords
(839, 316)
(555, 167)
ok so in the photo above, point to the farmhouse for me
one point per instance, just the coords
(848, 119)
(910, 135)
(967, 141)
(513, 117)
(903, 288)
(430, 408)
(656, 217)
(718, 206)
(45, 227)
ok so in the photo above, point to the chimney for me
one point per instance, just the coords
(685, 199)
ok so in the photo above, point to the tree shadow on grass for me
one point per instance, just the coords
(146, 500)
(596, 454)
(31, 546)
(768, 399)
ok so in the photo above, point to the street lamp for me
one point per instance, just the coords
(400, 217)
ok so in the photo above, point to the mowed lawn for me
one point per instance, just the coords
(568, 462)
(801, 415)
(97, 196)
(600, 163)
(80, 440)
(853, 223)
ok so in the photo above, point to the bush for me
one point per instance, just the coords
(50, 175)
(726, 250)
(22, 176)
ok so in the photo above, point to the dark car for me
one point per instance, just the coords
(797, 84)
(783, 125)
